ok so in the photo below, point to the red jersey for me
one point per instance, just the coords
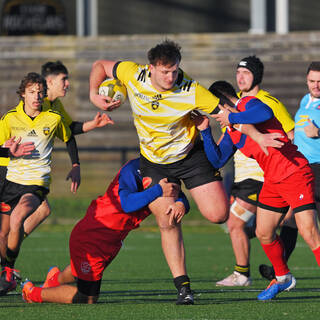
(281, 162)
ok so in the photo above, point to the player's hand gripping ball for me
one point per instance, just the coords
(114, 89)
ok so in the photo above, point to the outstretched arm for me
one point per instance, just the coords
(102, 69)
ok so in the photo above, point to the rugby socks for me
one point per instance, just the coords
(275, 253)
(245, 270)
(10, 259)
(53, 281)
(288, 236)
(35, 294)
(316, 253)
(182, 281)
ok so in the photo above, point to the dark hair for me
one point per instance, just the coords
(253, 64)
(165, 53)
(223, 90)
(31, 78)
(53, 68)
(314, 66)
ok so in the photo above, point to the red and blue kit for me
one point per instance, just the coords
(97, 238)
(288, 177)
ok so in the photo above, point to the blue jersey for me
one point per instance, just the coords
(309, 147)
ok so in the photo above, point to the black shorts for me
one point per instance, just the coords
(316, 172)
(12, 192)
(89, 288)
(247, 190)
(194, 170)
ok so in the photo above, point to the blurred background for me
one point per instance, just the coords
(214, 36)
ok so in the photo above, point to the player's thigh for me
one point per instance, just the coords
(212, 201)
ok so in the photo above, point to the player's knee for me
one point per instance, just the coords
(264, 236)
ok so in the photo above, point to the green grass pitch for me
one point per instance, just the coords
(138, 284)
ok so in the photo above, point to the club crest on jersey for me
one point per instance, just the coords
(46, 130)
(85, 267)
(154, 105)
(32, 133)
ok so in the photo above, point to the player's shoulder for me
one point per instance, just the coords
(305, 100)
(267, 98)
(132, 166)
(9, 113)
(185, 82)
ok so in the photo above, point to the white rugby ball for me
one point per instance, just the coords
(114, 89)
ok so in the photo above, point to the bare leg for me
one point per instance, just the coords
(5, 227)
(171, 237)
(26, 206)
(212, 201)
(307, 226)
(42, 212)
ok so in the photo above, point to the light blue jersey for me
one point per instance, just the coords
(309, 147)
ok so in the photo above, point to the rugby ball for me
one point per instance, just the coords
(114, 89)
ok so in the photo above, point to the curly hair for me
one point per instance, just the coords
(31, 78)
(165, 53)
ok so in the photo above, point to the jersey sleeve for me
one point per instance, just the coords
(125, 70)
(66, 117)
(5, 131)
(218, 155)
(63, 131)
(256, 112)
(281, 113)
(205, 100)
(130, 184)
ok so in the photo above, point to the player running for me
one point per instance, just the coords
(97, 238)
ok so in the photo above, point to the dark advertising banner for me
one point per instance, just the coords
(32, 17)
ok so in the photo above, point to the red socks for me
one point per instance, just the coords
(35, 294)
(316, 253)
(53, 281)
(275, 253)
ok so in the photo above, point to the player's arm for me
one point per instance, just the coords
(218, 155)
(63, 132)
(100, 70)
(256, 112)
(74, 173)
(13, 148)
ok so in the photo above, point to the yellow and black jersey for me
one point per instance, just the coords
(57, 105)
(162, 119)
(33, 169)
(247, 168)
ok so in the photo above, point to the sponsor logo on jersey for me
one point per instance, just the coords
(301, 196)
(32, 133)
(46, 130)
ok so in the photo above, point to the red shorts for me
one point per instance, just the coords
(296, 191)
(92, 248)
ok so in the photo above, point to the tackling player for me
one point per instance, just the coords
(97, 238)
(288, 179)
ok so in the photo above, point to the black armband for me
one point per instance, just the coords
(76, 127)
(4, 152)
(73, 150)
